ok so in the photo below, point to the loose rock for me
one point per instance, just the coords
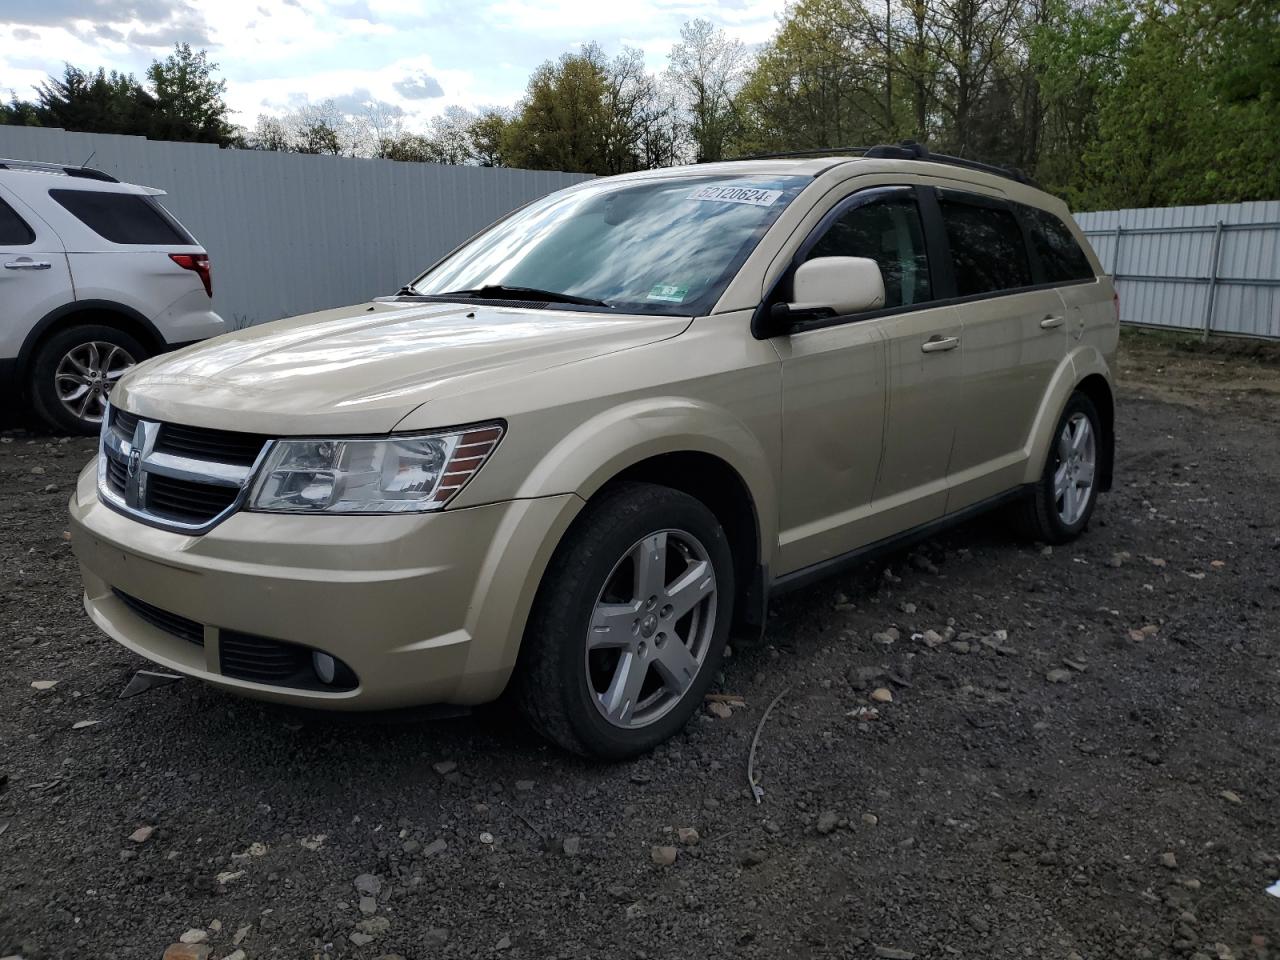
(663, 856)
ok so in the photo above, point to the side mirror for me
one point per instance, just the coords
(842, 284)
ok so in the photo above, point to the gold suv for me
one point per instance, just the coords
(580, 452)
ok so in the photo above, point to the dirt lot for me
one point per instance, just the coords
(1086, 768)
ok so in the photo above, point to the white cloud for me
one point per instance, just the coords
(418, 55)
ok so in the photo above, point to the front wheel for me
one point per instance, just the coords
(74, 371)
(629, 624)
(1062, 501)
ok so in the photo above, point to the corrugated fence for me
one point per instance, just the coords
(1212, 268)
(289, 233)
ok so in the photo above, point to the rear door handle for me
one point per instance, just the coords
(1048, 323)
(938, 344)
(28, 265)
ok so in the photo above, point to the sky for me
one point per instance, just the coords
(419, 56)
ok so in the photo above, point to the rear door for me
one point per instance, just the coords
(1064, 264)
(34, 279)
(1014, 340)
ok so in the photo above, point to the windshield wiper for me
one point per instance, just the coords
(501, 291)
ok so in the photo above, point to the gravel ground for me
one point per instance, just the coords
(1078, 762)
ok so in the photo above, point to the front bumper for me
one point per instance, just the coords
(424, 608)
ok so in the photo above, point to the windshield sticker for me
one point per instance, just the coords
(752, 195)
(668, 293)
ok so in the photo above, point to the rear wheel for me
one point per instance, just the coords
(74, 372)
(629, 624)
(1063, 499)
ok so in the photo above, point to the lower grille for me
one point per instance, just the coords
(246, 656)
(249, 657)
(170, 623)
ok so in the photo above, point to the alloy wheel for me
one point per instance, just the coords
(1077, 465)
(651, 628)
(85, 375)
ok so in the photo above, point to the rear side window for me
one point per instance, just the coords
(1060, 255)
(124, 217)
(987, 248)
(14, 231)
(888, 231)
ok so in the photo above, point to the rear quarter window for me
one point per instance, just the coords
(1056, 246)
(987, 247)
(128, 218)
(14, 231)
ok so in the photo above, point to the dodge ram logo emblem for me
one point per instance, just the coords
(135, 484)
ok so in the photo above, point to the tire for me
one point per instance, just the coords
(580, 698)
(1044, 515)
(69, 353)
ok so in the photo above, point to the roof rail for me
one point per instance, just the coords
(905, 150)
(85, 173)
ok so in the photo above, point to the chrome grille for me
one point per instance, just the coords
(172, 475)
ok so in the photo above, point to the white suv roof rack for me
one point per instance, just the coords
(66, 170)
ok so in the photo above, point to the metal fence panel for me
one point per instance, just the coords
(288, 233)
(1212, 268)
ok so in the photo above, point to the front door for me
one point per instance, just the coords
(868, 400)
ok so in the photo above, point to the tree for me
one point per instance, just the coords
(188, 99)
(488, 132)
(561, 121)
(708, 69)
(94, 102)
(19, 113)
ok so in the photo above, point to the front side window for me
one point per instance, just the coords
(124, 217)
(665, 245)
(1060, 255)
(14, 231)
(887, 230)
(987, 249)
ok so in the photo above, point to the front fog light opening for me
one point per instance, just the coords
(325, 666)
(332, 672)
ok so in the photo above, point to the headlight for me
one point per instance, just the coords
(408, 474)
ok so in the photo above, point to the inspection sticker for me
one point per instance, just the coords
(752, 195)
(668, 292)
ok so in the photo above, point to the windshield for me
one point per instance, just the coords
(667, 246)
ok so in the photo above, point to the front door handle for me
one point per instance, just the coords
(936, 344)
(25, 264)
(1048, 323)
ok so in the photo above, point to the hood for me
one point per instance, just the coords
(362, 369)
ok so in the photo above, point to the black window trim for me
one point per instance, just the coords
(937, 250)
(31, 233)
(760, 320)
(1024, 213)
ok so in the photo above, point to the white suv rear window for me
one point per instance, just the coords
(124, 217)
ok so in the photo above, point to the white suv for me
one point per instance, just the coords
(95, 276)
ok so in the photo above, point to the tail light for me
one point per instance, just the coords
(1115, 302)
(199, 263)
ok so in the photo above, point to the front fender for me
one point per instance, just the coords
(613, 440)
